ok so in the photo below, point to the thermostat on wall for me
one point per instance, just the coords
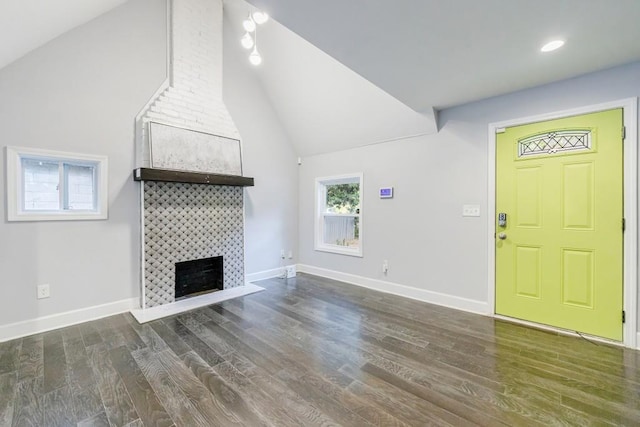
(386, 192)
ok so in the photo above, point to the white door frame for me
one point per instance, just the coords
(630, 118)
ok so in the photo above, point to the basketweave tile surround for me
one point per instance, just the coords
(190, 221)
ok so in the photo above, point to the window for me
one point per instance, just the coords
(45, 185)
(339, 217)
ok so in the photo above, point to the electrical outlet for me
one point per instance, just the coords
(43, 291)
(282, 253)
(291, 271)
(290, 255)
(385, 266)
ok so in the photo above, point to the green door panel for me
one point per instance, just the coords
(560, 182)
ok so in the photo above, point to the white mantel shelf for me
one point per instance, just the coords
(144, 315)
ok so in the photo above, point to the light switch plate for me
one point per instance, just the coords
(471, 210)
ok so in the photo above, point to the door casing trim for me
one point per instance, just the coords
(630, 238)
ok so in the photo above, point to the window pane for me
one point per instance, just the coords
(80, 188)
(342, 231)
(41, 189)
(343, 198)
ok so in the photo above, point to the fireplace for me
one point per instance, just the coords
(195, 211)
(183, 222)
(198, 276)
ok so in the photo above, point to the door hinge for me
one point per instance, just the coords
(624, 132)
(624, 317)
(624, 224)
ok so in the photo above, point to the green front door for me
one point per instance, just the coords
(559, 256)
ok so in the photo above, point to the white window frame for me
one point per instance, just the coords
(15, 186)
(321, 188)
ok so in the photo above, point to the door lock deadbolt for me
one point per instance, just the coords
(502, 219)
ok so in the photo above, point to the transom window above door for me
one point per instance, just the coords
(555, 142)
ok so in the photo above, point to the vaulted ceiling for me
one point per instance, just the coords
(437, 53)
(341, 74)
(323, 105)
(28, 24)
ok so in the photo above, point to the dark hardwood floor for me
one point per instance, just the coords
(315, 352)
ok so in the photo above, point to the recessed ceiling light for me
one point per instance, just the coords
(556, 44)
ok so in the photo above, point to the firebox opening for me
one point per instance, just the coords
(198, 276)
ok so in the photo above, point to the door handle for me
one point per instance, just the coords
(502, 236)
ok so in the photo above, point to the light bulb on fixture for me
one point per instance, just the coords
(552, 45)
(260, 17)
(249, 24)
(247, 41)
(255, 57)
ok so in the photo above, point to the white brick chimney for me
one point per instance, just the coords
(191, 97)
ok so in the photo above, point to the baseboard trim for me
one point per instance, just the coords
(73, 317)
(638, 340)
(266, 274)
(68, 318)
(450, 301)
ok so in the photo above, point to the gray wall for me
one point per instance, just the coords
(421, 230)
(80, 93)
(271, 207)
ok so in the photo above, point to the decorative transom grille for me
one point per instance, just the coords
(553, 142)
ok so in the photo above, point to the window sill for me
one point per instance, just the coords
(57, 216)
(340, 250)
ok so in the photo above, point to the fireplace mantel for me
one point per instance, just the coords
(168, 175)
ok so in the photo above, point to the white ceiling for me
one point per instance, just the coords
(414, 55)
(440, 53)
(323, 105)
(28, 24)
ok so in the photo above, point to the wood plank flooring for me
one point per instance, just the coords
(315, 352)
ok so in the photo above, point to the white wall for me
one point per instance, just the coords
(81, 93)
(193, 99)
(271, 207)
(421, 231)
